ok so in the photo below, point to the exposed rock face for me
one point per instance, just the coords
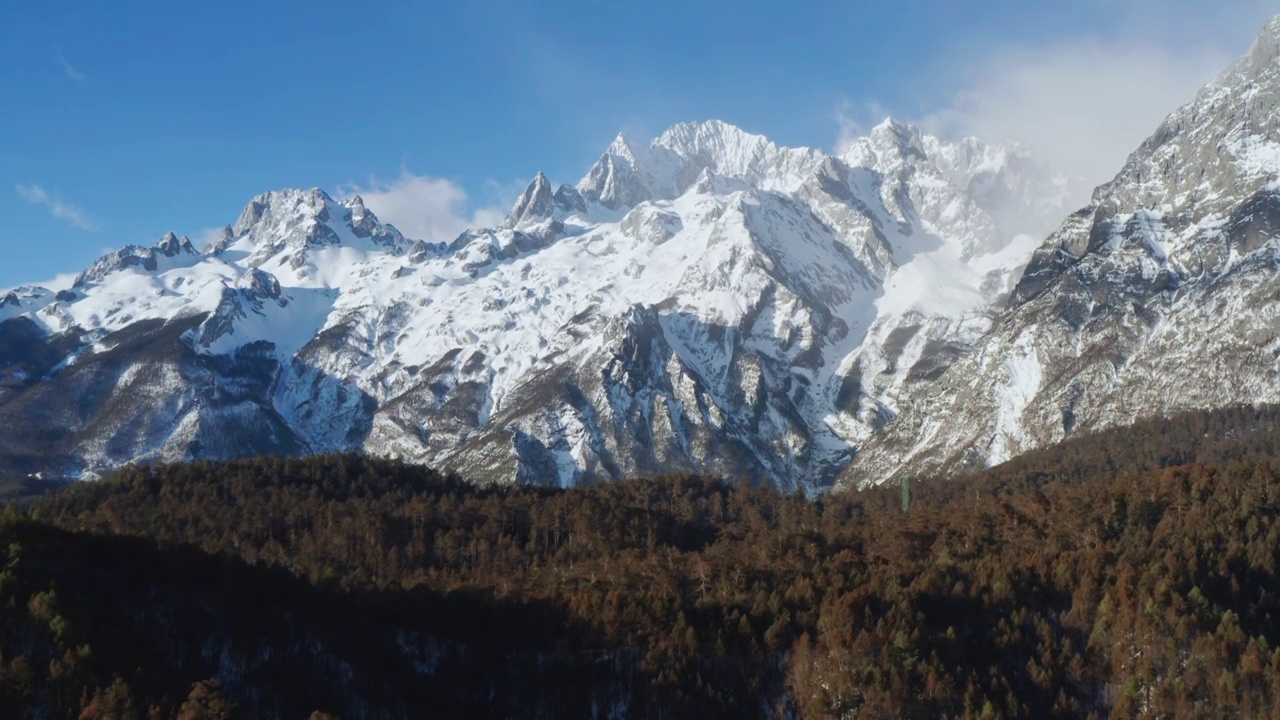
(710, 302)
(1159, 296)
(535, 204)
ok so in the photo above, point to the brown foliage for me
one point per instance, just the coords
(1030, 591)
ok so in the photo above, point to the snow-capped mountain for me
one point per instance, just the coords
(708, 301)
(1159, 296)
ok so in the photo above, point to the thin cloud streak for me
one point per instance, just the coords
(71, 70)
(59, 208)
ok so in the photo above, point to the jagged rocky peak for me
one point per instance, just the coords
(757, 269)
(283, 206)
(898, 149)
(538, 204)
(1192, 195)
(359, 213)
(1263, 56)
(886, 147)
(894, 147)
(615, 181)
(1221, 145)
(716, 145)
(224, 237)
(535, 204)
(895, 136)
(129, 256)
(284, 224)
(362, 220)
(171, 246)
(680, 155)
(627, 175)
(1157, 297)
(984, 194)
(622, 149)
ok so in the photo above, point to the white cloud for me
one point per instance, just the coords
(1082, 102)
(206, 237)
(70, 69)
(855, 121)
(61, 209)
(1085, 100)
(1082, 105)
(423, 207)
(56, 283)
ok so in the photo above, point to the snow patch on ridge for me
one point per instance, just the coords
(1022, 375)
(784, 285)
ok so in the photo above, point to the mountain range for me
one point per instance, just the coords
(709, 301)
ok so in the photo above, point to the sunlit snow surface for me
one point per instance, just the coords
(744, 249)
(1157, 297)
(709, 301)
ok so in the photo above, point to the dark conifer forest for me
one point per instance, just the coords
(1131, 574)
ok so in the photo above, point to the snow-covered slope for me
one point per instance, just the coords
(709, 301)
(1160, 296)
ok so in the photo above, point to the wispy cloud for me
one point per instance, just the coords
(423, 207)
(206, 237)
(58, 282)
(71, 70)
(1084, 101)
(59, 208)
(1081, 105)
(855, 120)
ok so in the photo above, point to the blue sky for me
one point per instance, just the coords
(126, 120)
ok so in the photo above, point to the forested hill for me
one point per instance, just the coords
(357, 588)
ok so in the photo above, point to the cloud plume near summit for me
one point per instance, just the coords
(1081, 106)
(1083, 102)
(424, 207)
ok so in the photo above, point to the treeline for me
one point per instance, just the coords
(360, 588)
(1245, 433)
